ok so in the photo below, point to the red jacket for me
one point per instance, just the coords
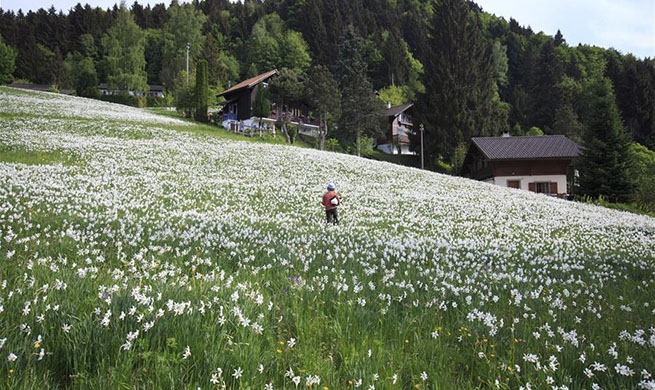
(327, 197)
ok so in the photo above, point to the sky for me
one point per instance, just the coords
(626, 25)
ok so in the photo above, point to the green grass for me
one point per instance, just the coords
(31, 157)
(206, 224)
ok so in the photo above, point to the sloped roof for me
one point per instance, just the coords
(531, 147)
(395, 110)
(251, 82)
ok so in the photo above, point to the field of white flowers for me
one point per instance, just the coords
(137, 255)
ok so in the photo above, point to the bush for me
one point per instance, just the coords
(128, 100)
(166, 101)
(332, 145)
(293, 132)
(7, 63)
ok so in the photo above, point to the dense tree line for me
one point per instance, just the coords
(469, 72)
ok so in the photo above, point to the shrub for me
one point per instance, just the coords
(128, 100)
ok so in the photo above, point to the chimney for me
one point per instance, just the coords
(505, 134)
(388, 105)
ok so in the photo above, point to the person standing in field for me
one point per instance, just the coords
(331, 201)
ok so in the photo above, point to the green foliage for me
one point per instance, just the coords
(333, 145)
(185, 101)
(604, 161)
(396, 94)
(261, 106)
(458, 157)
(83, 73)
(128, 100)
(271, 46)
(516, 130)
(294, 53)
(500, 63)
(641, 172)
(323, 95)
(7, 63)
(361, 110)
(124, 45)
(183, 26)
(201, 93)
(460, 100)
(534, 130)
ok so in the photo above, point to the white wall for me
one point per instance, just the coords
(392, 149)
(525, 180)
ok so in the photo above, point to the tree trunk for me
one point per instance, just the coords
(322, 132)
(285, 132)
(359, 137)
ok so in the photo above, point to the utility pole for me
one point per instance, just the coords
(422, 128)
(188, 46)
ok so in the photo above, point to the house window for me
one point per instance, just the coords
(543, 187)
(514, 183)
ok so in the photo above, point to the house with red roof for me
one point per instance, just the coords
(533, 163)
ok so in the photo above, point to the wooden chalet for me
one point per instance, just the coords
(534, 163)
(396, 138)
(237, 109)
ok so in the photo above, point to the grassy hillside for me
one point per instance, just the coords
(138, 255)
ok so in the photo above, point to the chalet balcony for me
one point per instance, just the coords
(405, 119)
(297, 117)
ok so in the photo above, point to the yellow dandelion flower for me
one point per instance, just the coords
(350, 382)
(281, 342)
(37, 345)
(406, 341)
(279, 350)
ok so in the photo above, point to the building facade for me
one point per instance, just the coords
(540, 164)
(237, 110)
(396, 137)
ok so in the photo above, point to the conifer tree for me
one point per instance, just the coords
(604, 162)
(202, 91)
(458, 102)
(360, 109)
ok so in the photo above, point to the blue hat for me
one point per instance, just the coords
(331, 187)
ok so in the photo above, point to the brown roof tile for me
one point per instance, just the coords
(531, 147)
(251, 82)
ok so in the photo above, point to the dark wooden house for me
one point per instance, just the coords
(237, 112)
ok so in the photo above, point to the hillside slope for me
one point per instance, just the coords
(141, 256)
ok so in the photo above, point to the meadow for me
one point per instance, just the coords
(137, 251)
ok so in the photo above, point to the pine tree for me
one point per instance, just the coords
(604, 162)
(361, 110)
(202, 91)
(546, 94)
(459, 99)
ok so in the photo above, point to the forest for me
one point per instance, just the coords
(468, 72)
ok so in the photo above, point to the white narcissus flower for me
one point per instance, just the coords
(187, 352)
